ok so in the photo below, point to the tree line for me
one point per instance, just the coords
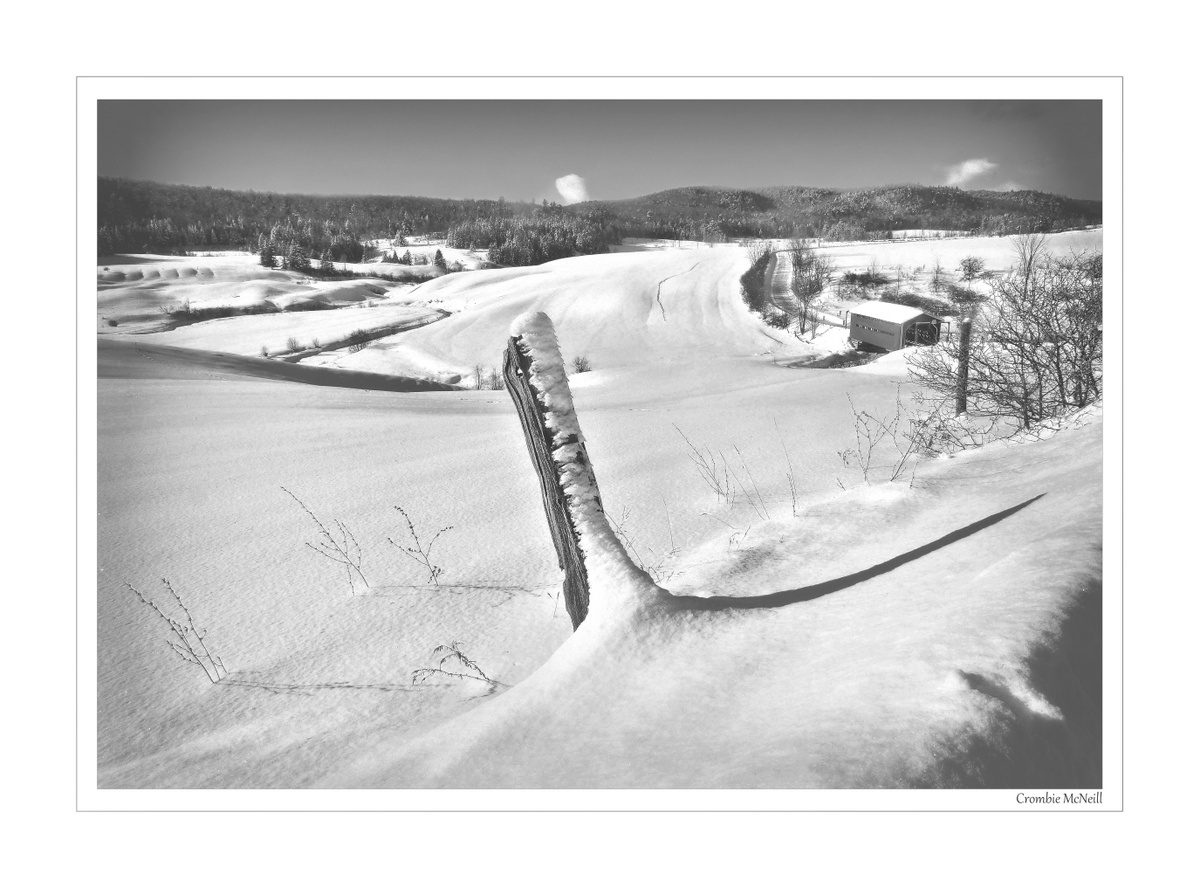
(151, 217)
(135, 217)
(534, 239)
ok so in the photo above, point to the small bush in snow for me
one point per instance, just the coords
(581, 364)
(779, 321)
(293, 344)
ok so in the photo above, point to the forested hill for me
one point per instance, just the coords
(785, 211)
(146, 216)
(133, 215)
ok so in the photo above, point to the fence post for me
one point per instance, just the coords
(964, 350)
(522, 386)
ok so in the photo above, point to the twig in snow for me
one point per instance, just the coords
(453, 652)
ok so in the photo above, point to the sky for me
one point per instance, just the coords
(590, 149)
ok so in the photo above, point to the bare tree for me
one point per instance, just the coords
(1038, 348)
(1030, 252)
(811, 273)
(937, 282)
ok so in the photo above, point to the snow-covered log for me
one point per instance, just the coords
(589, 553)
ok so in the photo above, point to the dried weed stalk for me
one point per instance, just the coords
(189, 644)
(418, 551)
(342, 549)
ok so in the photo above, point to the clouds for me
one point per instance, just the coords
(968, 171)
(573, 188)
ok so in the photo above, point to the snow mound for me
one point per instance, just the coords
(970, 665)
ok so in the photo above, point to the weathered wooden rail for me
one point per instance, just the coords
(520, 381)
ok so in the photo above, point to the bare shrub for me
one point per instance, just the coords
(942, 430)
(418, 551)
(358, 340)
(293, 344)
(1037, 351)
(884, 447)
(342, 549)
(581, 364)
(756, 250)
(189, 644)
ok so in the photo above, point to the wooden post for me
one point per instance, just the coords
(964, 350)
(518, 379)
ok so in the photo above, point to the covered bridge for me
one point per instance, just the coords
(891, 326)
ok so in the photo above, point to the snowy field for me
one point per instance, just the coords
(970, 662)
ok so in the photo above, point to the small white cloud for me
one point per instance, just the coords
(969, 170)
(573, 188)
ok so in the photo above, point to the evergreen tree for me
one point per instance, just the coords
(266, 256)
(439, 261)
(297, 259)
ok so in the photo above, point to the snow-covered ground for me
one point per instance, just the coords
(251, 334)
(661, 310)
(967, 664)
(996, 252)
(132, 297)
